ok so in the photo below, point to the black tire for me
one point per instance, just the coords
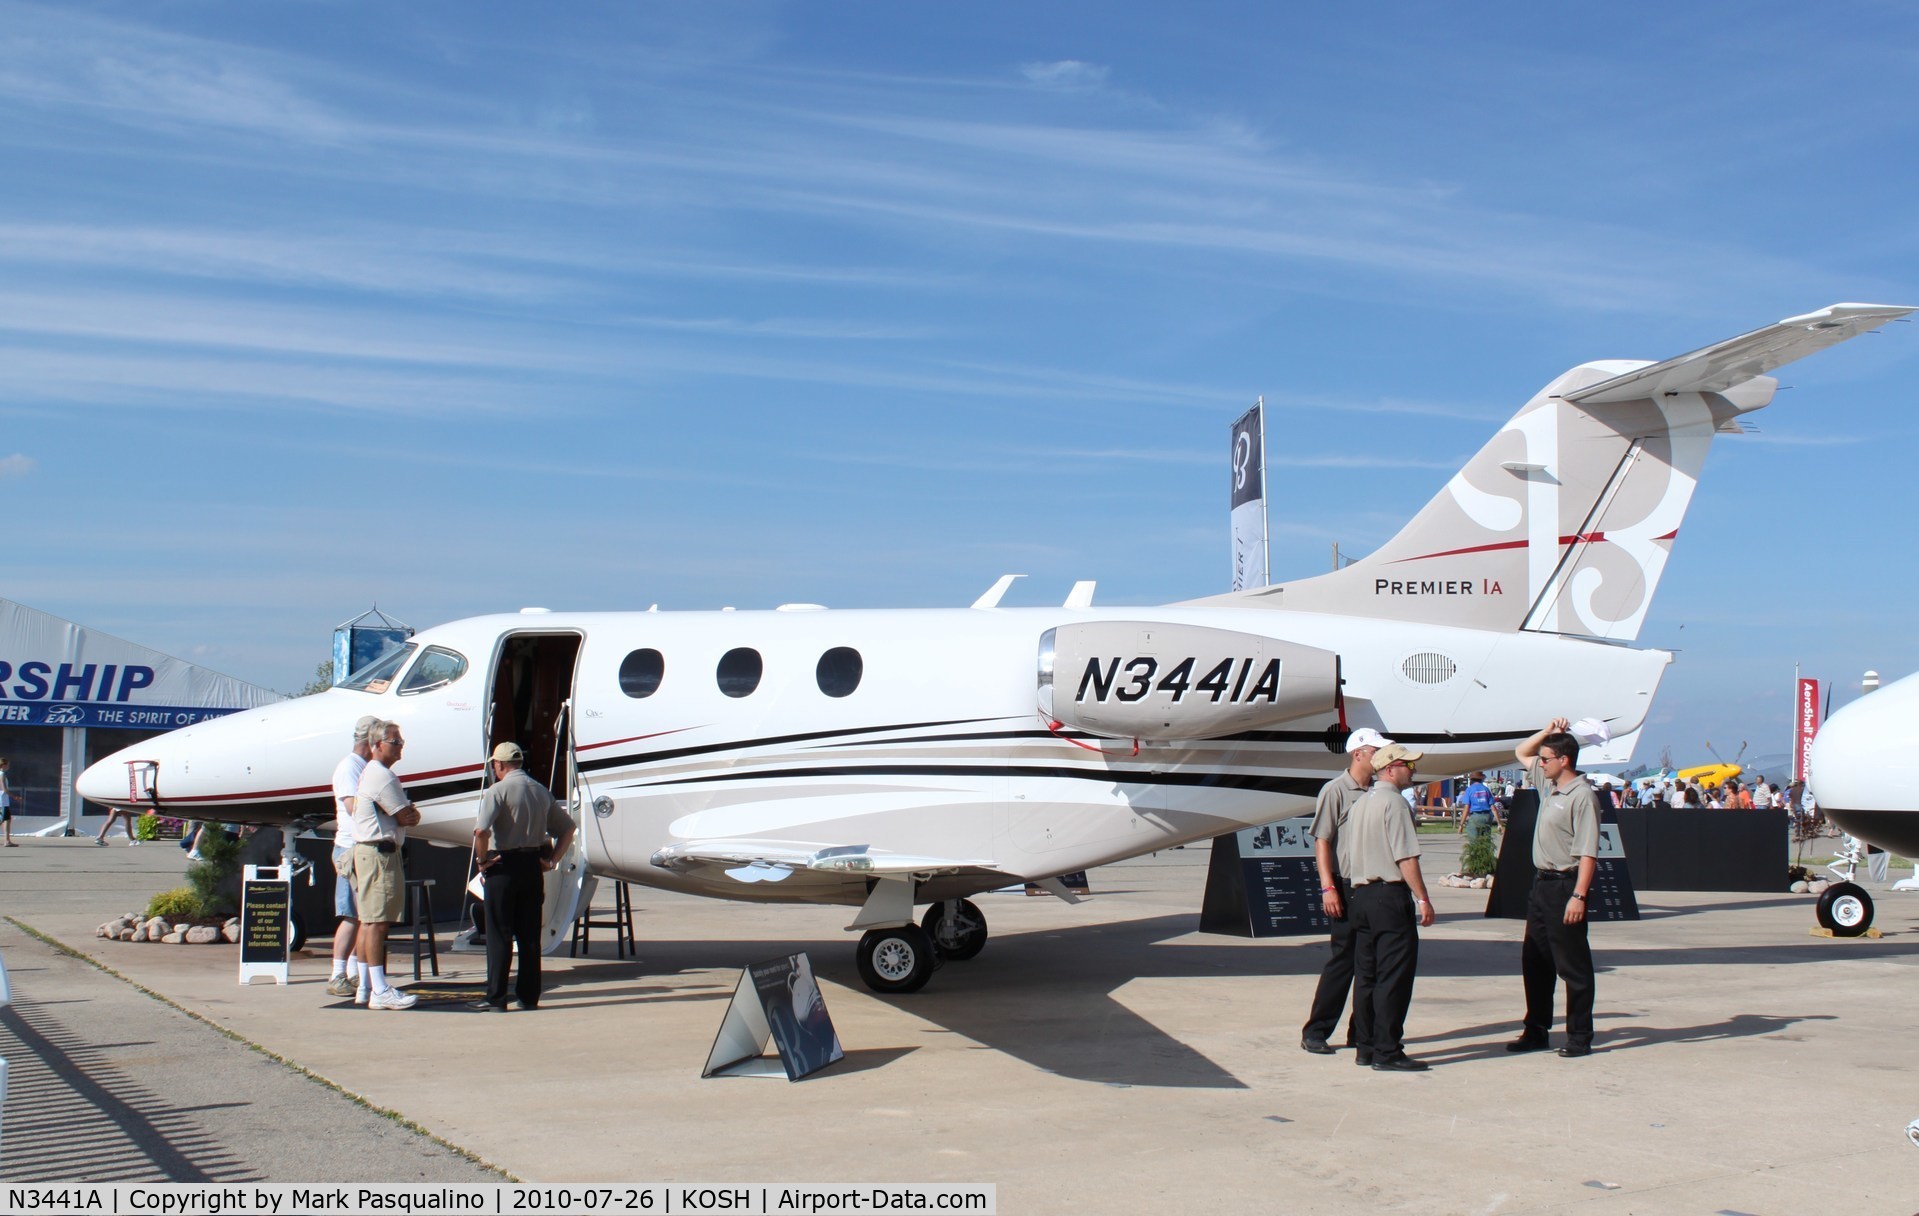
(1846, 909)
(896, 961)
(956, 943)
(296, 931)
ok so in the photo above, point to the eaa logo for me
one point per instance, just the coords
(64, 715)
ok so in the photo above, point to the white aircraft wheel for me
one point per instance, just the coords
(1846, 909)
(956, 938)
(896, 960)
(296, 931)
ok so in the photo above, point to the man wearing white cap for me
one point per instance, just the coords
(1336, 800)
(1566, 856)
(1379, 856)
(346, 786)
(512, 850)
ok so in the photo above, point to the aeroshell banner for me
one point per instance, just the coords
(1805, 729)
(56, 673)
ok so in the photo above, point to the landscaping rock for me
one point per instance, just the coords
(1817, 888)
(175, 937)
(202, 935)
(1801, 887)
(231, 931)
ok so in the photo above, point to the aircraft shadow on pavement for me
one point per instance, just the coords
(1047, 997)
(72, 1114)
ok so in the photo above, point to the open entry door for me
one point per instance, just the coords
(531, 705)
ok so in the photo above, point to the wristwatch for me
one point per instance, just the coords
(1327, 890)
(1581, 898)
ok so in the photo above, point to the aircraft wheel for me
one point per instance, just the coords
(898, 960)
(1846, 909)
(956, 938)
(296, 931)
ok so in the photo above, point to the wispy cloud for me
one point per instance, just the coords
(1065, 74)
(18, 465)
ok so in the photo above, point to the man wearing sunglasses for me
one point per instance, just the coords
(1379, 855)
(382, 814)
(1566, 856)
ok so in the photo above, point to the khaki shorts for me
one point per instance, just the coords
(379, 886)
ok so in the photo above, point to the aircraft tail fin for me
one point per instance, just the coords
(1563, 522)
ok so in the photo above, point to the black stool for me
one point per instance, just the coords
(621, 922)
(419, 920)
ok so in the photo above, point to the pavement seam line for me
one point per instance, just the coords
(392, 1116)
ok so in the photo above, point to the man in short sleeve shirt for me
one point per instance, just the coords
(1379, 855)
(520, 833)
(346, 788)
(1336, 800)
(382, 814)
(1566, 856)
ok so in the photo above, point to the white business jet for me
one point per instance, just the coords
(1865, 764)
(889, 759)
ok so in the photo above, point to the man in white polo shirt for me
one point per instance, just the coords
(346, 790)
(382, 814)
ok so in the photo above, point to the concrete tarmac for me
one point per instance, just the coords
(1104, 1057)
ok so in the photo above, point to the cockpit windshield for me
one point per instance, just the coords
(377, 676)
(437, 667)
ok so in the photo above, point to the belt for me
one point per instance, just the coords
(529, 851)
(1548, 874)
(385, 846)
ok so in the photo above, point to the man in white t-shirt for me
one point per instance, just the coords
(346, 787)
(382, 813)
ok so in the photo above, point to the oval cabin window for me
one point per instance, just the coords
(641, 673)
(739, 671)
(839, 671)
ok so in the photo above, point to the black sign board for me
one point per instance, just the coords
(1611, 897)
(781, 1001)
(265, 927)
(1264, 882)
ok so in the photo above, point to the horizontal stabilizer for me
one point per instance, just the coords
(1724, 365)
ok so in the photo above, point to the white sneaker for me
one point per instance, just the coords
(360, 996)
(101, 841)
(393, 998)
(133, 840)
(194, 855)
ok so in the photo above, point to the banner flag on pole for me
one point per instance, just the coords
(1806, 727)
(1249, 499)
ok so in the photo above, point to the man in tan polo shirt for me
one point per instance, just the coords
(1566, 856)
(1379, 855)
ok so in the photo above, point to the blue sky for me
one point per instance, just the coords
(462, 307)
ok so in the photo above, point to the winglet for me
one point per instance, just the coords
(992, 597)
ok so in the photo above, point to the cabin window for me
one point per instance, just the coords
(377, 676)
(437, 667)
(739, 671)
(641, 673)
(839, 671)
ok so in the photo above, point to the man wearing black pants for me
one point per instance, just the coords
(1565, 854)
(511, 848)
(1379, 856)
(1336, 799)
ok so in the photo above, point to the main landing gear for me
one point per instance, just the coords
(898, 959)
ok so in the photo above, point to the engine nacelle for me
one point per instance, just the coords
(1154, 681)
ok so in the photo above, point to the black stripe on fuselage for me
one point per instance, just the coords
(601, 763)
(1304, 786)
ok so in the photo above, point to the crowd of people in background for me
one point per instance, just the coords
(1476, 794)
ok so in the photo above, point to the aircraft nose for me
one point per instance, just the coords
(1867, 755)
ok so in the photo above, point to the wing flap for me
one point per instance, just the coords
(1725, 365)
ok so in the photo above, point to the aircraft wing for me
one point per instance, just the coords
(770, 861)
(1716, 368)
